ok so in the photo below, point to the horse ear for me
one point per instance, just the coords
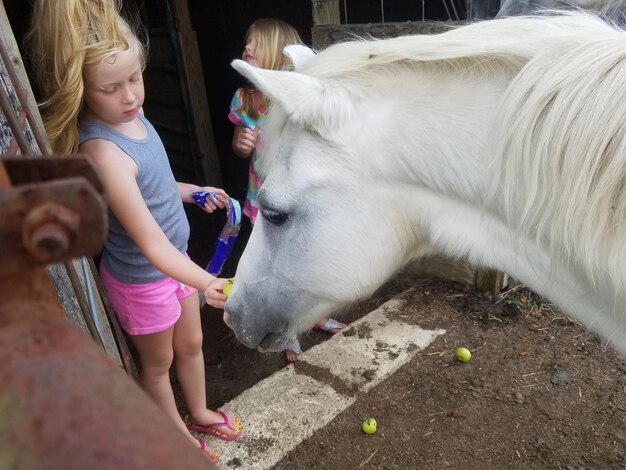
(308, 101)
(298, 54)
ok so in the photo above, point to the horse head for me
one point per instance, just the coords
(301, 261)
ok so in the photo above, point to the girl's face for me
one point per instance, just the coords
(114, 90)
(251, 52)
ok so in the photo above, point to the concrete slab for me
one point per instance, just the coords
(281, 411)
(375, 348)
(277, 414)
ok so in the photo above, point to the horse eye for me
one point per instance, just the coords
(274, 217)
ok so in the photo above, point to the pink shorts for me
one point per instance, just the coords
(145, 308)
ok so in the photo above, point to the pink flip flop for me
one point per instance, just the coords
(211, 428)
(330, 325)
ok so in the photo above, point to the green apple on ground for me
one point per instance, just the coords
(463, 354)
(369, 426)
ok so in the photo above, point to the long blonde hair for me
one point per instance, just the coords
(274, 35)
(64, 38)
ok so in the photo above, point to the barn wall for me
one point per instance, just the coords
(176, 101)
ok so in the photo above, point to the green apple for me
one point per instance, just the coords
(463, 354)
(369, 426)
(228, 285)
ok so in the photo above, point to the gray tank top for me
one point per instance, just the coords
(121, 255)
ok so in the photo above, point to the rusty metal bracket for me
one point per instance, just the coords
(47, 219)
(41, 169)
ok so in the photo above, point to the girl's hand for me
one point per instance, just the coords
(245, 140)
(211, 204)
(213, 293)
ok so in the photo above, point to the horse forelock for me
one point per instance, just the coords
(279, 131)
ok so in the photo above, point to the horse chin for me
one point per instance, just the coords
(274, 342)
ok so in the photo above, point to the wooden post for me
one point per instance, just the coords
(326, 12)
(490, 281)
(197, 93)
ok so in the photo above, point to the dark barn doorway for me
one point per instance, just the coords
(220, 28)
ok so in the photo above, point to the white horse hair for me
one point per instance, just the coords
(614, 8)
(502, 142)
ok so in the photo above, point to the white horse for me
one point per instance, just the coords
(502, 142)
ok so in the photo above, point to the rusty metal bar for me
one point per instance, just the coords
(31, 170)
(26, 171)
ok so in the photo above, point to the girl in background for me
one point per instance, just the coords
(89, 67)
(263, 47)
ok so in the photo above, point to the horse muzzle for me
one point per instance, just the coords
(256, 330)
(274, 342)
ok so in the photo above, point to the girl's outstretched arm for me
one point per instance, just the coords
(118, 171)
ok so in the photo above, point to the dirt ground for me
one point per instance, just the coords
(540, 392)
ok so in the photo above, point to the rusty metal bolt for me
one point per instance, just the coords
(49, 231)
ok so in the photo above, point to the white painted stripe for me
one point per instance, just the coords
(281, 411)
(378, 349)
(277, 414)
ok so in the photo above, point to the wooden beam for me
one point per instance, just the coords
(197, 94)
(326, 12)
(326, 35)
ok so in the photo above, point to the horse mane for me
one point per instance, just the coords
(560, 157)
(487, 45)
(477, 51)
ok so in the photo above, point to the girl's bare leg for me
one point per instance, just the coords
(189, 360)
(156, 355)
